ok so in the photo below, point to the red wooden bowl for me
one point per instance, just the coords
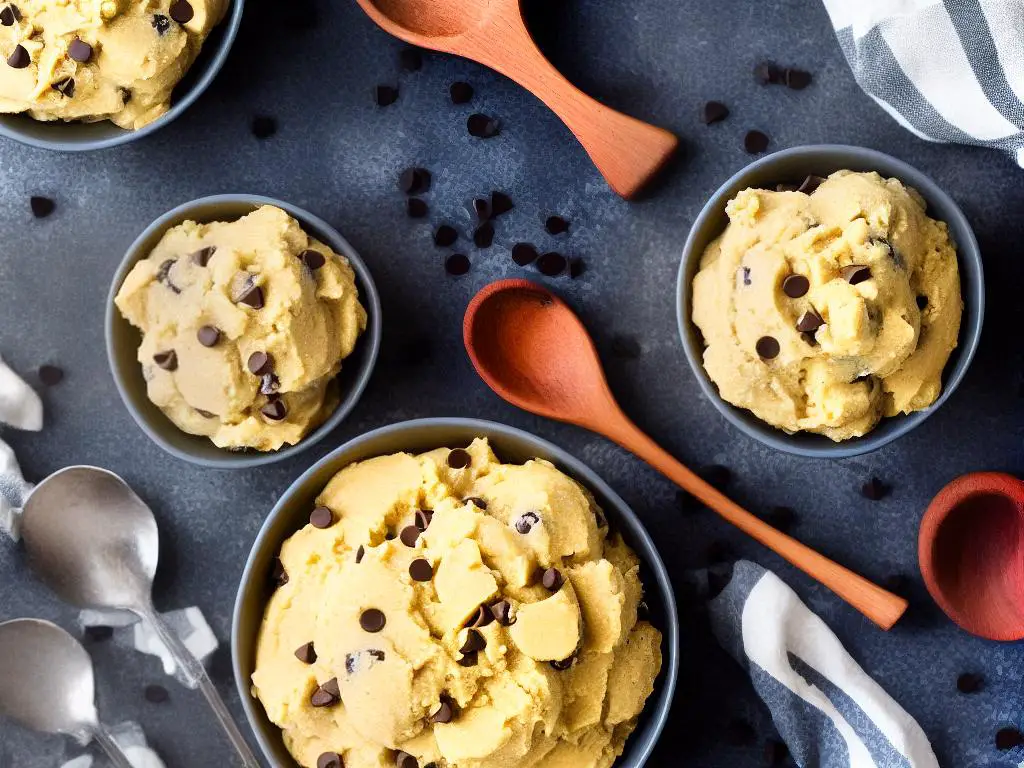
(971, 550)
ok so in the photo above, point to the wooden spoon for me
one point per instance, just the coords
(530, 348)
(628, 152)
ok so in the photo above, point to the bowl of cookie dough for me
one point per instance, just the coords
(454, 590)
(82, 76)
(241, 330)
(830, 299)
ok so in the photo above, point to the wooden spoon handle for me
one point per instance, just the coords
(882, 607)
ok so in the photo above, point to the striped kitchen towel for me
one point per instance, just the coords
(21, 408)
(829, 711)
(948, 71)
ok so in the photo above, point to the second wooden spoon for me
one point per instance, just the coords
(531, 349)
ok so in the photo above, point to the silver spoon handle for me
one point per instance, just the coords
(196, 676)
(107, 743)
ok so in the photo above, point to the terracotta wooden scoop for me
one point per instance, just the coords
(492, 32)
(531, 349)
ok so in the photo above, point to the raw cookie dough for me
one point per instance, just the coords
(562, 685)
(94, 60)
(824, 312)
(213, 300)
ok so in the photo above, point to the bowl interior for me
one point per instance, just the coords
(792, 166)
(123, 339)
(511, 445)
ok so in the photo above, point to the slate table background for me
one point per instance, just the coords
(313, 65)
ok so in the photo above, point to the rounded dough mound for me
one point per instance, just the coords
(562, 686)
(309, 322)
(882, 343)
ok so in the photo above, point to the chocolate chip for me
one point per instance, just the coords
(80, 51)
(1008, 738)
(576, 267)
(457, 264)
(459, 458)
(181, 11)
(768, 348)
(474, 642)
(329, 760)
(552, 579)
(444, 713)
(416, 208)
(269, 384)
(524, 254)
(98, 634)
(156, 694)
(414, 181)
(208, 335)
(775, 753)
(327, 694)
(275, 410)
(476, 502)
(461, 93)
(482, 126)
(755, 142)
(766, 73)
(409, 535)
(168, 360)
(161, 24)
(321, 517)
(19, 58)
(500, 204)
(969, 682)
(855, 273)
(421, 570)
(551, 264)
(51, 375)
(781, 518)
(468, 660)
(481, 618)
(810, 339)
(10, 15)
(405, 760)
(502, 612)
(922, 303)
(810, 185)
(423, 518)
(372, 620)
(483, 236)
(202, 257)
(796, 286)
(385, 95)
(797, 79)
(556, 225)
(41, 206)
(809, 321)
(714, 112)
(313, 259)
(526, 522)
(306, 653)
(564, 664)
(482, 208)
(715, 475)
(260, 363)
(360, 552)
(411, 59)
(875, 490)
(445, 236)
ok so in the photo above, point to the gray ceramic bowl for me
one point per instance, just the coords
(83, 137)
(123, 339)
(511, 445)
(792, 166)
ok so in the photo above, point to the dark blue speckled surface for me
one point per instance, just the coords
(338, 155)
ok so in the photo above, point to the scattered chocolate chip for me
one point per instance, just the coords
(168, 360)
(263, 126)
(421, 570)
(360, 552)
(405, 760)
(313, 259)
(740, 733)
(269, 384)
(306, 653)
(576, 267)
(810, 185)
(524, 254)
(875, 490)
(161, 24)
(409, 535)
(500, 204)
(372, 620)
(260, 363)
(275, 410)
(482, 208)
(552, 579)
(80, 51)
(461, 93)
(482, 126)
(474, 642)
(715, 475)
(202, 257)
(457, 264)
(481, 618)
(423, 518)
(51, 375)
(19, 58)
(526, 522)
(468, 660)
(766, 73)
(809, 321)
(321, 517)
(10, 15)
(156, 694)
(444, 713)
(416, 208)
(755, 142)
(181, 11)
(796, 286)
(713, 112)
(768, 348)
(385, 95)
(163, 275)
(556, 225)
(797, 79)
(327, 694)
(483, 236)
(208, 335)
(855, 273)
(626, 347)
(329, 760)
(477, 502)
(251, 294)
(1008, 738)
(775, 753)
(922, 303)
(411, 59)
(459, 458)
(969, 682)
(781, 518)
(551, 264)
(445, 236)
(809, 338)
(502, 612)
(414, 181)
(98, 634)
(564, 664)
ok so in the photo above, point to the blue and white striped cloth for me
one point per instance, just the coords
(829, 711)
(949, 71)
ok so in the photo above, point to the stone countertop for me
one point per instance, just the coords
(312, 65)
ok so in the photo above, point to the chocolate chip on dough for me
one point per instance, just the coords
(329, 760)
(208, 335)
(19, 58)
(810, 184)
(359, 554)
(526, 522)
(502, 612)
(202, 257)
(768, 348)
(168, 360)
(275, 410)
(80, 51)
(306, 653)
(312, 259)
(809, 321)
(321, 517)
(327, 694)
(421, 570)
(250, 294)
(279, 575)
(372, 620)
(563, 664)
(423, 518)
(856, 273)
(922, 303)
(405, 760)
(161, 24)
(796, 286)
(444, 713)
(10, 15)
(468, 660)
(552, 579)
(260, 363)
(409, 535)
(459, 458)
(182, 11)
(474, 642)
(269, 384)
(481, 618)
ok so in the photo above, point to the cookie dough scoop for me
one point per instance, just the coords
(95, 543)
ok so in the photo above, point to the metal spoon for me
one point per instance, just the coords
(46, 684)
(95, 543)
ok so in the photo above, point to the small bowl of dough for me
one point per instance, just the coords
(454, 590)
(830, 299)
(241, 330)
(76, 77)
